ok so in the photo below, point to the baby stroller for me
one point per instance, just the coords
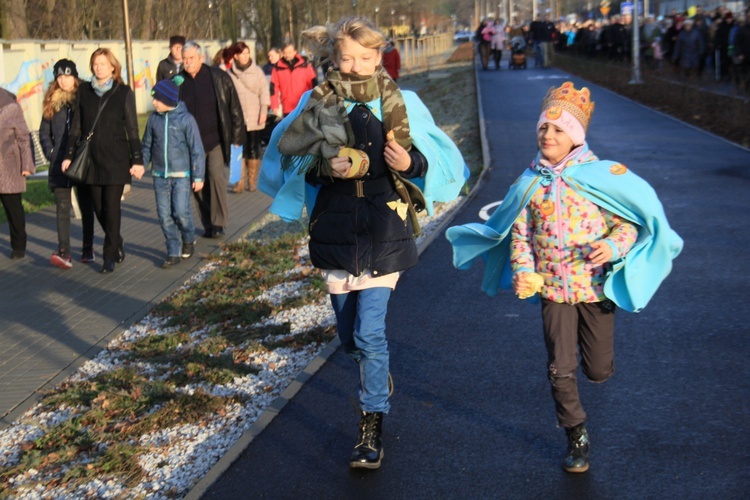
(517, 53)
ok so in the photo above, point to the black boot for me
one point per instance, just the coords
(369, 449)
(577, 458)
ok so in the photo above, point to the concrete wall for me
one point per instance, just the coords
(26, 67)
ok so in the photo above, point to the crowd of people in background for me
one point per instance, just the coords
(215, 104)
(694, 44)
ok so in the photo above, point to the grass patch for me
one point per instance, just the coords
(226, 297)
(36, 197)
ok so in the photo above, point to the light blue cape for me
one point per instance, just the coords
(446, 172)
(634, 278)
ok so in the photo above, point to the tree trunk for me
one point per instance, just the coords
(146, 15)
(14, 19)
(276, 36)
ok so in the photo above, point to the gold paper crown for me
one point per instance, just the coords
(576, 102)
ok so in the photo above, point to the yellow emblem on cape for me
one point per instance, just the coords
(400, 208)
(618, 169)
(547, 207)
(553, 113)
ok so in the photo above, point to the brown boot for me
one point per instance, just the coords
(240, 186)
(253, 169)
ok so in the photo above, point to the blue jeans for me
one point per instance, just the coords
(175, 215)
(361, 323)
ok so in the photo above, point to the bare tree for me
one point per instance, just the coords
(14, 19)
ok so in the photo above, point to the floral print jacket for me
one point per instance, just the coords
(553, 234)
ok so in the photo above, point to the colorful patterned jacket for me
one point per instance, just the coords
(553, 234)
(633, 278)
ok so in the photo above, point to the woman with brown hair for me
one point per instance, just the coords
(115, 146)
(252, 89)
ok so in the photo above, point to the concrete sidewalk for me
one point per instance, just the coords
(53, 320)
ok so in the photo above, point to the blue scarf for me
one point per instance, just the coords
(102, 88)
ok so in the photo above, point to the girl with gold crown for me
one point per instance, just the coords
(585, 236)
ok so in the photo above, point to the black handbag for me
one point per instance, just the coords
(79, 167)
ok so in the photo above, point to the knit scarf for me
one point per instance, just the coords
(241, 67)
(323, 127)
(101, 88)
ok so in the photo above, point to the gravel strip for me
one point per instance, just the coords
(178, 456)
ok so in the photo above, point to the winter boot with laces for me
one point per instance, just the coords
(368, 452)
(577, 458)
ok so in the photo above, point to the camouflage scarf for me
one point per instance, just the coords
(323, 127)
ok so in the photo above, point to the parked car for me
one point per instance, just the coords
(463, 36)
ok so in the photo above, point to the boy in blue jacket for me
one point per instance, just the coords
(172, 143)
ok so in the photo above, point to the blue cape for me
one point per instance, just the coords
(446, 172)
(634, 278)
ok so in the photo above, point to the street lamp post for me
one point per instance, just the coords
(636, 78)
(128, 44)
(377, 9)
(354, 6)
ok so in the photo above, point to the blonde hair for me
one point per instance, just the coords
(324, 41)
(117, 72)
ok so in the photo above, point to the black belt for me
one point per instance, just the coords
(360, 188)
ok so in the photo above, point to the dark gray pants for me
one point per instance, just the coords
(588, 327)
(212, 199)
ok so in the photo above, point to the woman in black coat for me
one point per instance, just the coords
(57, 115)
(115, 146)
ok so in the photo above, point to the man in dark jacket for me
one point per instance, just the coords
(172, 65)
(210, 96)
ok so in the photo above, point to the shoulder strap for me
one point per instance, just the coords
(99, 113)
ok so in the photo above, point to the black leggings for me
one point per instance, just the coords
(63, 204)
(251, 149)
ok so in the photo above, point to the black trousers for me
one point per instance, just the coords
(106, 200)
(589, 327)
(13, 206)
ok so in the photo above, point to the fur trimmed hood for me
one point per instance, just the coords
(58, 99)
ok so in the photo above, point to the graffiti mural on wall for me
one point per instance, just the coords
(143, 79)
(30, 80)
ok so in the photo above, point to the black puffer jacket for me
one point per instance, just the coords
(358, 233)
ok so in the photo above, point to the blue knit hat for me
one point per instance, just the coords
(167, 92)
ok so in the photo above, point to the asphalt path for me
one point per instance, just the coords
(472, 415)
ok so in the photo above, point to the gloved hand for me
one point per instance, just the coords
(527, 284)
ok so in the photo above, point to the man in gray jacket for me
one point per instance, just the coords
(210, 96)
